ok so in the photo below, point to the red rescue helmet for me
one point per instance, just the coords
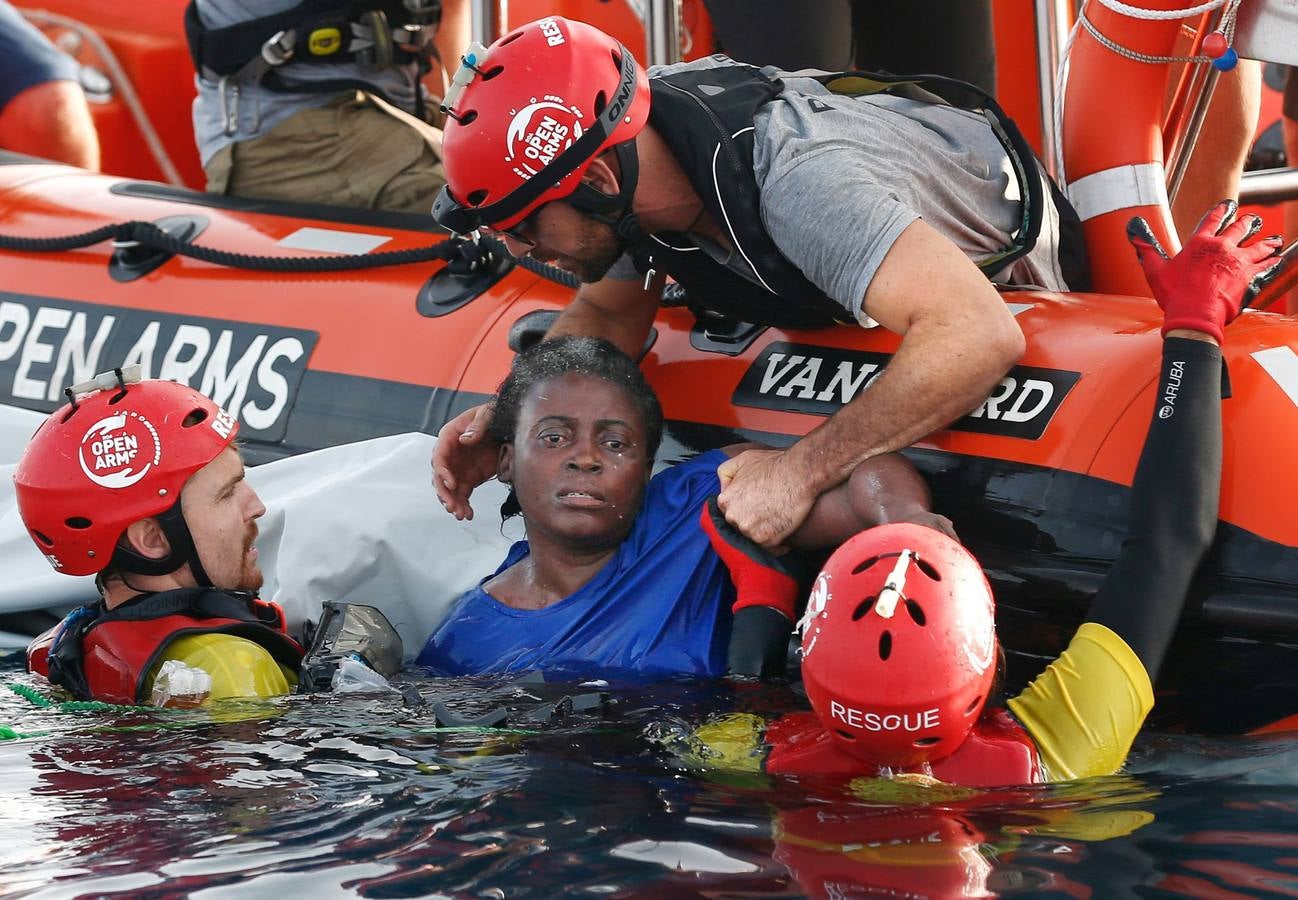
(899, 645)
(543, 102)
(119, 452)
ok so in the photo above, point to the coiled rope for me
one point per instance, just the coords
(461, 254)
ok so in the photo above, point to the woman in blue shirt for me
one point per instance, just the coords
(616, 577)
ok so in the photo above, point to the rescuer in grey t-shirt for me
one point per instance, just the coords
(842, 177)
(882, 205)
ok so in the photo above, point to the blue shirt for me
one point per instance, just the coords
(660, 606)
(27, 58)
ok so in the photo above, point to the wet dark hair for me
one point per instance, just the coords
(572, 355)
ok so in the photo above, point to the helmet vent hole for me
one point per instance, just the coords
(601, 101)
(927, 568)
(468, 117)
(511, 38)
(861, 567)
(927, 742)
(885, 645)
(194, 418)
(478, 197)
(863, 608)
(491, 73)
(42, 538)
(972, 707)
(916, 611)
(845, 735)
(80, 523)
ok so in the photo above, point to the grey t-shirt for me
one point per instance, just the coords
(841, 177)
(258, 109)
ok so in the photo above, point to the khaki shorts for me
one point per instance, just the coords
(351, 152)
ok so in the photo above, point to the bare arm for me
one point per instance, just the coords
(618, 311)
(51, 120)
(884, 489)
(881, 490)
(454, 32)
(958, 341)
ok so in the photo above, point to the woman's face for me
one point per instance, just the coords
(578, 462)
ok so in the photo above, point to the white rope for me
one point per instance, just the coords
(1227, 26)
(1135, 12)
(119, 77)
(1061, 85)
(1135, 55)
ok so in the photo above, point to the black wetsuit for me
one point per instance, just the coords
(1143, 594)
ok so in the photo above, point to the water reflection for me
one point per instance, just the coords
(368, 796)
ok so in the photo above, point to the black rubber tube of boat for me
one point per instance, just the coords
(151, 235)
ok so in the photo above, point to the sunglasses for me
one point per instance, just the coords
(522, 230)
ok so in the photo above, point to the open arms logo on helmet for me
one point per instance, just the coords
(539, 132)
(118, 450)
(605, 104)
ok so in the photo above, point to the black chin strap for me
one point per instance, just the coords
(182, 551)
(614, 209)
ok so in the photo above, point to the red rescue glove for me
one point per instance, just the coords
(759, 577)
(1215, 275)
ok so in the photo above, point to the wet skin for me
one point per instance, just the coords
(221, 509)
(579, 467)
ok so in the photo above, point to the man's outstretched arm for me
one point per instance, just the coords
(1085, 710)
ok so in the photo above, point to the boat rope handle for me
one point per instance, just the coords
(150, 235)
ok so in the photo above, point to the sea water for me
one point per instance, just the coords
(369, 796)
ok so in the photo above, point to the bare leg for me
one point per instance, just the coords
(1218, 158)
(51, 120)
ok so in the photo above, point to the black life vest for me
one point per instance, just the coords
(321, 32)
(104, 654)
(706, 118)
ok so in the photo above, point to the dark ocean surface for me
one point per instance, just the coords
(366, 795)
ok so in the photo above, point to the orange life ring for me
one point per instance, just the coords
(1112, 139)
